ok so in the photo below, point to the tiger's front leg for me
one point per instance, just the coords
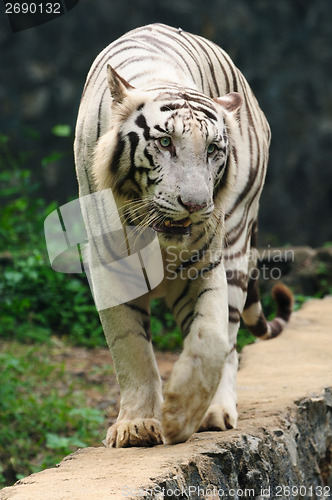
(201, 308)
(126, 329)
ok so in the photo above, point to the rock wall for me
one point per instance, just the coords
(307, 271)
(283, 48)
(281, 449)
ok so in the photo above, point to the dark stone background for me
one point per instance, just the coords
(284, 49)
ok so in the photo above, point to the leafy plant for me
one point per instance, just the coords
(62, 130)
(23, 212)
(37, 302)
(166, 335)
(244, 337)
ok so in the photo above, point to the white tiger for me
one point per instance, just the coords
(172, 127)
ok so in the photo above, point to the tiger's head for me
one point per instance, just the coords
(167, 157)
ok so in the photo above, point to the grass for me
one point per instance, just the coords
(43, 411)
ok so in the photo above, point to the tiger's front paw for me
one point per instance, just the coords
(137, 432)
(180, 417)
(219, 418)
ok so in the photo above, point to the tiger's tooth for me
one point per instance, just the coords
(177, 223)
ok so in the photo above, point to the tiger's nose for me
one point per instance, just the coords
(191, 206)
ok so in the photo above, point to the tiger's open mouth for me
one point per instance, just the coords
(170, 226)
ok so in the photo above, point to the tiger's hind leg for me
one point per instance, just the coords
(222, 413)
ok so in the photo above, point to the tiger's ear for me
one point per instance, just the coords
(118, 86)
(230, 102)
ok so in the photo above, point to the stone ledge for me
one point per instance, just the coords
(284, 438)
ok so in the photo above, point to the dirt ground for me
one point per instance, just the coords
(96, 367)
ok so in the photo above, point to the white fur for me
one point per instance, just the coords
(205, 372)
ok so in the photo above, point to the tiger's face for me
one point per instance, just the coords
(171, 156)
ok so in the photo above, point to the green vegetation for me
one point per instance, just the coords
(43, 413)
(36, 301)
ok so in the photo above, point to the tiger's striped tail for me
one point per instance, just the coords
(254, 318)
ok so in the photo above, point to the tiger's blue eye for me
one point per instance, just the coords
(211, 148)
(165, 142)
